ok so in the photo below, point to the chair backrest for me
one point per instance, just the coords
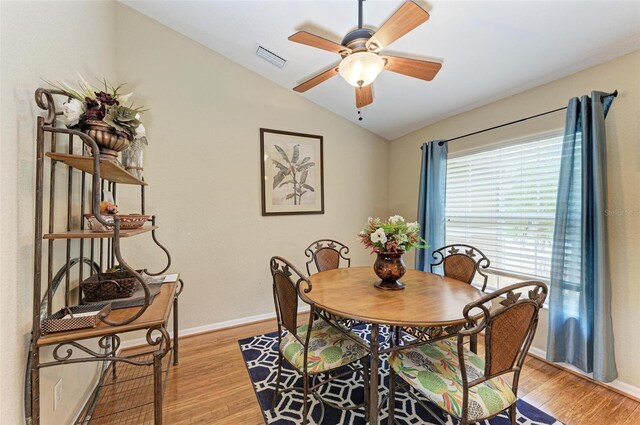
(326, 254)
(509, 328)
(461, 262)
(287, 283)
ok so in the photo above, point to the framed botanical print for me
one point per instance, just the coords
(292, 173)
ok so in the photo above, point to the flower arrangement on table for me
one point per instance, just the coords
(394, 235)
(88, 103)
(390, 240)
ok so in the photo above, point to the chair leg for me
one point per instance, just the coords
(305, 401)
(513, 413)
(275, 395)
(392, 396)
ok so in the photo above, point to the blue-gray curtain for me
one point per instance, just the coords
(580, 327)
(431, 201)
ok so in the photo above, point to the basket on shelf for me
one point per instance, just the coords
(127, 221)
(109, 286)
(76, 317)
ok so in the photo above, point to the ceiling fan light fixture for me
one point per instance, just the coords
(361, 68)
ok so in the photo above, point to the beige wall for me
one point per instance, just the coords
(203, 167)
(50, 40)
(623, 170)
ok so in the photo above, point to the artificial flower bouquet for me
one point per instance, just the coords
(88, 103)
(394, 235)
(108, 207)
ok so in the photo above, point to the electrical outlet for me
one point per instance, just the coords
(57, 394)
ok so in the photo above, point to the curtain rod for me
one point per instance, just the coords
(614, 94)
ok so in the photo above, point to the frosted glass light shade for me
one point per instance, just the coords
(361, 68)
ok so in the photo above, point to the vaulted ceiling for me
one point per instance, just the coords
(489, 49)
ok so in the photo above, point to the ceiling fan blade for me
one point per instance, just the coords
(364, 96)
(312, 82)
(318, 42)
(423, 70)
(409, 16)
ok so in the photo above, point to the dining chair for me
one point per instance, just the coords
(316, 349)
(459, 262)
(326, 254)
(461, 383)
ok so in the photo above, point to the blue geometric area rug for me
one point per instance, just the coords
(261, 355)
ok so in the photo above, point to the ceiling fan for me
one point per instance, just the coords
(360, 51)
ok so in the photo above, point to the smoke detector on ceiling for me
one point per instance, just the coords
(271, 57)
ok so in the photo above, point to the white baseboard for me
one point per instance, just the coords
(210, 327)
(616, 385)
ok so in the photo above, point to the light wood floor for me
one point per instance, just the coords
(211, 386)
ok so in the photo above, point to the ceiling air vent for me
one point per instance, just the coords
(271, 57)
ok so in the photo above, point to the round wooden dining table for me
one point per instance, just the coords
(428, 300)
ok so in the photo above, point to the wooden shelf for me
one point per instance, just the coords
(89, 234)
(156, 315)
(81, 172)
(109, 170)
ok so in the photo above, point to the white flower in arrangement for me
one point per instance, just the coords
(401, 238)
(396, 219)
(379, 236)
(125, 98)
(72, 111)
(138, 117)
(140, 131)
(413, 226)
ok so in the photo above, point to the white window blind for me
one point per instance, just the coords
(503, 201)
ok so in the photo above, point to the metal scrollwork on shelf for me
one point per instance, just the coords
(139, 278)
(162, 247)
(104, 343)
(109, 355)
(44, 100)
(162, 341)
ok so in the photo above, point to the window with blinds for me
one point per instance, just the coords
(502, 200)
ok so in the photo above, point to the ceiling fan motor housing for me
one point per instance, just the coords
(356, 39)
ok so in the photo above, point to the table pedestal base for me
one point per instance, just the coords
(392, 286)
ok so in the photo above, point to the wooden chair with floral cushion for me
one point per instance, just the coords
(461, 262)
(327, 254)
(461, 383)
(315, 349)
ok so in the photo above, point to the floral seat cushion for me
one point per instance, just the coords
(328, 348)
(434, 370)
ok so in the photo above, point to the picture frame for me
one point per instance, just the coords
(292, 173)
